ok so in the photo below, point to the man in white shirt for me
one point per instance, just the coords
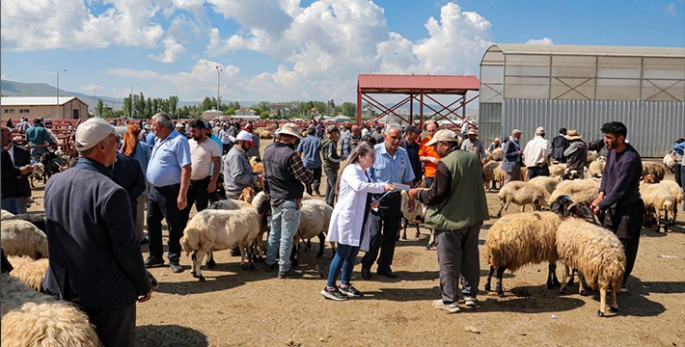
(535, 155)
(203, 153)
(226, 138)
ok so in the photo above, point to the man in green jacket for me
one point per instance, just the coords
(37, 135)
(331, 161)
(455, 208)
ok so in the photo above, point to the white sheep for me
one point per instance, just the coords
(557, 170)
(489, 173)
(216, 230)
(596, 253)
(48, 324)
(522, 194)
(549, 183)
(6, 215)
(315, 216)
(577, 190)
(498, 154)
(657, 198)
(29, 271)
(669, 162)
(596, 168)
(23, 238)
(499, 175)
(591, 156)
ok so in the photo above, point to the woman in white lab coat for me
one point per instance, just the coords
(348, 218)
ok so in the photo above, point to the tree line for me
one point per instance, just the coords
(145, 108)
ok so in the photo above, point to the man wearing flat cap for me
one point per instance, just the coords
(511, 164)
(455, 209)
(331, 161)
(95, 260)
(576, 153)
(284, 174)
(535, 155)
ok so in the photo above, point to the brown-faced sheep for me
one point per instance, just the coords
(23, 238)
(596, 253)
(522, 194)
(656, 169)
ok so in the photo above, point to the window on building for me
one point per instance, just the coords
(26, 110)
(9, 111)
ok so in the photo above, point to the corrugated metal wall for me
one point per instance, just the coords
(652, 126)
(490, 122)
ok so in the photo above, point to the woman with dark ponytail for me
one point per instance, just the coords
(348, 219)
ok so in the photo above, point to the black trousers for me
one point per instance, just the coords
(161, 204)
(626, 223)
(384, 226)
(197, 194)
(677, 170)
(316, 182)
(116, 327)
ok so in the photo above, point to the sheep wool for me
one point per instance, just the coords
(14, 294)
(656, 169)
(6, 215)
(577, 190)
(520, 239)
(596, 253)
(48, 324)
(522, 194)
(23, 238)
(28, 271)
(549, 183)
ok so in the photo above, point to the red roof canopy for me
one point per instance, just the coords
(406, 84)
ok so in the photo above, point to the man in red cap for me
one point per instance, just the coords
(254, 149)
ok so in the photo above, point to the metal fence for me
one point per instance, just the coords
(652, 126)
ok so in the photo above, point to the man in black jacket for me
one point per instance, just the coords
(558, 145)
(130, 176)
(95, 260)
(14, 170)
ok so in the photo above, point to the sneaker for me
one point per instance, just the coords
(333, 294)
(451, 308)
(292, 273)
(350, 291)
(470, 301)
(175, 267)
(270, 267)
(152, 262)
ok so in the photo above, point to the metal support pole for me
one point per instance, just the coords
(57, 108)
(131, 97)
(218, 86)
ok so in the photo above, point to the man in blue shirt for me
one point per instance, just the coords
(350, 141)
(169, 174)
(310, 151)
(392, 166)
(37, 135)
(680, 149)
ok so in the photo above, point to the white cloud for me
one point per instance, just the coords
(142, 74)
(542, 41)
(90, 88)
(171, 50)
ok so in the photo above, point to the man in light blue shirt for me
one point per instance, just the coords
(150, 139)
(310, 151)
(392, 165)
(169, 174)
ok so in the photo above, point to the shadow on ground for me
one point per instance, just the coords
(169, 335)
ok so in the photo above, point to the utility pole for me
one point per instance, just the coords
(95, 107)
(218, 90)
(57, 108)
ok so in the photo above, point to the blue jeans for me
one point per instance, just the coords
(284, 222)
(10, 205)
(344, 259)
(536, 171)
(429, 182)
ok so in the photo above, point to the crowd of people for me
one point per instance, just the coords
(166, 168)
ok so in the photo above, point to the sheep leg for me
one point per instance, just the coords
(293, 255)
(502, 207)
(198, 256)
(500, 273)
(322, 244)
(563, 279)
(581, 286)
(210, 260)
(249, 249)
(570, 281)
(418, 231)
(404, 231)
(552, 280)
(614, 304)
(603, 300)
(487, 281)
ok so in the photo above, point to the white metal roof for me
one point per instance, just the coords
(494, 55)
(35, 100)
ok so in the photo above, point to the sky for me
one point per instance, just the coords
(294, 50)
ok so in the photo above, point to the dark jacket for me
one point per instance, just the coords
(95, 259)
(9, 176)
(129, 175)
(557, 147)
(413, 153)
(511, 155)
(22, 157)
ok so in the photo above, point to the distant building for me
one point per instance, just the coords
(70, 107)
(211, 114)
(273, 110)
(245, 112)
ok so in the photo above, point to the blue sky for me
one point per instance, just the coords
(296, 50)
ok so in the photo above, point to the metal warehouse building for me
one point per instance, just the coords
(582, 87)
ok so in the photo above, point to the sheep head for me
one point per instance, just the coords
(262, 203)
(247, 195)
(650, 178)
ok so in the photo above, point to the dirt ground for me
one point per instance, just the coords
(236, 307)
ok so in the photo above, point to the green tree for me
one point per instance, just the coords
(173, 104)
(349, 109)
(148, 109)
(127, 107)
(264, 115)
(278, 113)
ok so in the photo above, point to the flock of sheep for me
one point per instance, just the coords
(569, 233)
